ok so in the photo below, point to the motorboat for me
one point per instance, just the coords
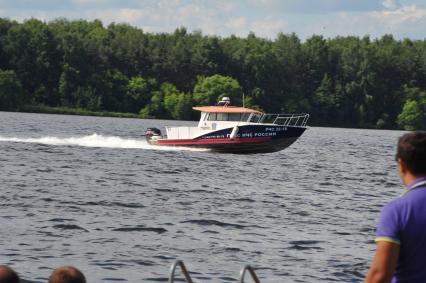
(232, 129)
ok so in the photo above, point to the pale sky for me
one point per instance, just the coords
(330, 18)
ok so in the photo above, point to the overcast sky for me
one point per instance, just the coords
(402, 18)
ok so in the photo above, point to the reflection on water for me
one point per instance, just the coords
(121, 211)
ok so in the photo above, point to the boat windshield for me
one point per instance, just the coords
(228, 116)
(255, 118)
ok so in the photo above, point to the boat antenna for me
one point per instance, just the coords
(243, 100)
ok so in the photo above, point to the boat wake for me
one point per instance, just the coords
(96, 140)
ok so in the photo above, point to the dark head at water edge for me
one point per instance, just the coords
(411, 156)
(64, 274)
(400, 236)
(67, 274)
(8, 275)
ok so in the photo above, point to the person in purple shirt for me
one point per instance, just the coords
(401, 233)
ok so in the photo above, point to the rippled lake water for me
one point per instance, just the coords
(90, 192)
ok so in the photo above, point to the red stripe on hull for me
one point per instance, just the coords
(213, 141)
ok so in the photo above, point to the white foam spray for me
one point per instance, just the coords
(96, 140)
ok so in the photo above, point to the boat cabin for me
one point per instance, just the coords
(226, 116)
(222, 116)
(228, 128)
(217, 117)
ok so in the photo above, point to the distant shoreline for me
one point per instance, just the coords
(42, 109)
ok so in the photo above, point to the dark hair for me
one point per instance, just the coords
(67, 274)
(8, 275)
(412, 151)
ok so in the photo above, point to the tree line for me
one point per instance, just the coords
(344, 81)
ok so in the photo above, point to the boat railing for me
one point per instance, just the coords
(251, 272)
(295, 120)
(246, 269)
(183, 269)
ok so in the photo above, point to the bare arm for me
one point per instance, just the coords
(384, 263)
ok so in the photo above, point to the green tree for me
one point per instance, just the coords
(113, 90)
(139, 91)
(35, 56)
(5, 26)
(343, 81)
(177, 104)
(11, 91)
(413, 115)
(208, 90)
(168, 102)
(383, 122)
(155, 108)
(325, 101)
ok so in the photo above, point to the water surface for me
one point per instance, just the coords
(90, 192)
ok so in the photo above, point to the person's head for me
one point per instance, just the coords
(67, 274)
(8, 275)
(411, 155)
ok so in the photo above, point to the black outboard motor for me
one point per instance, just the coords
(151, 132)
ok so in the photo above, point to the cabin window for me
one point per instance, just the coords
(212, 117)
(222, 116)
(255, 118)
(234, 116)
(244, 117)
(204, 116)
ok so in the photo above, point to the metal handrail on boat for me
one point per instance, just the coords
(295, 120)
(189, 279)
(251, 272)
(183, 269)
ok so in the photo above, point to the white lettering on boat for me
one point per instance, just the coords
(265, 134)
(277, 129)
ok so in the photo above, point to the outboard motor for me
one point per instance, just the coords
(152, 132)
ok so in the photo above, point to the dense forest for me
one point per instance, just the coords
(343, 81)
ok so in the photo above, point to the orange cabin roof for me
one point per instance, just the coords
(224, 109)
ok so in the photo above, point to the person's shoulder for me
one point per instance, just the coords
(407, 200)
(394, 205)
